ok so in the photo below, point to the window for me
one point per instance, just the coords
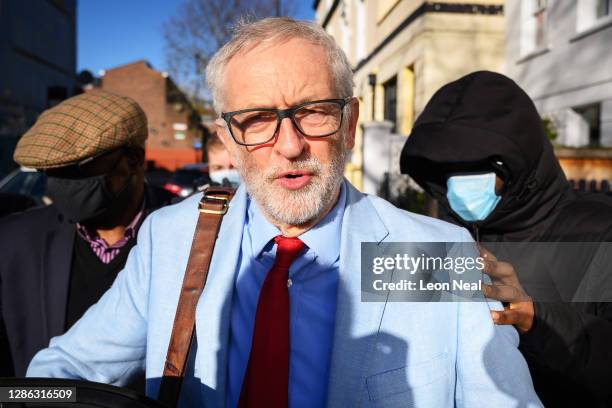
(533, 25)
(406, 101)
(590, 13)
(179, 130)
(390, 89)
(539, 15)
(591, 116)
(603, 8)
(580, 126)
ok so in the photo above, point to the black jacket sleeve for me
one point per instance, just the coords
(576, 340)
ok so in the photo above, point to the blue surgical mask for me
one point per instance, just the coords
(232, 176)
(472, 196)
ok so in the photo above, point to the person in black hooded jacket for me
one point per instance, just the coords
(484, 125)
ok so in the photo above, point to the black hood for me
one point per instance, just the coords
(479, 119)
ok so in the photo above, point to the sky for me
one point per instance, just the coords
(116, 32)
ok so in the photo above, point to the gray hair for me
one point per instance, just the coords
(247, 35)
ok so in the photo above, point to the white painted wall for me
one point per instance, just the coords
(577, 68)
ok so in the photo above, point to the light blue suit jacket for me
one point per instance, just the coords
(385, 354)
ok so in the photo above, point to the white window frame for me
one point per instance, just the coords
(530, 11)
(586, 15)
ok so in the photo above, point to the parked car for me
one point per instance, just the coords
(27, 182)
(21, 189)
(186, 180)
(13, 203)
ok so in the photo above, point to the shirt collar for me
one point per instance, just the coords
(323, 239)
(260, 230)
(130, 230)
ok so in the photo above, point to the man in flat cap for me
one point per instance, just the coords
(58, 260)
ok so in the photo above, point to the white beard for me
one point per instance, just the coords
(295, 207)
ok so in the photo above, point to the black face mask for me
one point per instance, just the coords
(83, 199)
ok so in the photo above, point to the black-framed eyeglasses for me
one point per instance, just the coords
(252, 127)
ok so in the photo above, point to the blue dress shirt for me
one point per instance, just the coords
(312, 300)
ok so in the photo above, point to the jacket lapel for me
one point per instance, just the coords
(213, 310)
(55, 276)
(56, 259)
(357, 322)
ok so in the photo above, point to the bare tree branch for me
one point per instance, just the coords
(200, 28)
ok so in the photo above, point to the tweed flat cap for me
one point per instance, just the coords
(80, 127)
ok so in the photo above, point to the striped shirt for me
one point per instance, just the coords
(106, 253)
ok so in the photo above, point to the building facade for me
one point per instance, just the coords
(560, 52)
(37, 65)
(175, 133)
(402, 51)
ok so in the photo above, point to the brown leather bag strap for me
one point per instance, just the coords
(212, 207)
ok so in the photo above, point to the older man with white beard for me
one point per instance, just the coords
(281, 322)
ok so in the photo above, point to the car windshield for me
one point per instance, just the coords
(186, 177)
(29, 183)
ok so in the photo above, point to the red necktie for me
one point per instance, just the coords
(266, 381)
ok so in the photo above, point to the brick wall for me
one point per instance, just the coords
(166, 117)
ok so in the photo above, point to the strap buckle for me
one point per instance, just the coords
(213, 197)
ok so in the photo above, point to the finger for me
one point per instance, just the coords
(505, 270)
(506, 317)
(521, 305)
(486, 254)
(501, 271)
(504, 293)
(490, 268)
(490, 262)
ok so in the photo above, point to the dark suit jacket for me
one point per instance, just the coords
(35, 262)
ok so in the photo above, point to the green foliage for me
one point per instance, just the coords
(549, 128)
(410, 200)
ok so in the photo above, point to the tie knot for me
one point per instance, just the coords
(288, 249)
